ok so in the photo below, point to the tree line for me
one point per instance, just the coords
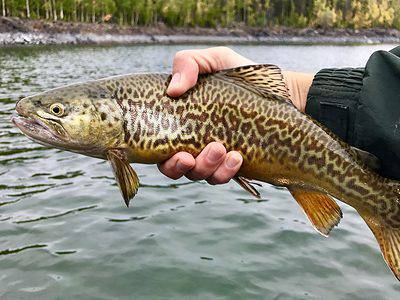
(211, 13)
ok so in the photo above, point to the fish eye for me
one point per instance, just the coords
(57, 109)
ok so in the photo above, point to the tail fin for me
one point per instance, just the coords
(388, 238)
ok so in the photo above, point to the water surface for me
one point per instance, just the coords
(65, 232)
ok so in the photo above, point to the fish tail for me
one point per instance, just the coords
(384, 222)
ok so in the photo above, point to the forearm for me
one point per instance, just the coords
(362, 107)
(333, 99)
(298, 85)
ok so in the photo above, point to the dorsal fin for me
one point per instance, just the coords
(265, 80)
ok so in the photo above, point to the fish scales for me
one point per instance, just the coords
(278, 144)
(131, 119)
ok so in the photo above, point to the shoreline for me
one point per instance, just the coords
(14, 31)
(9, 39)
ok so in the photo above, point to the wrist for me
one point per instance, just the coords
(298, 85)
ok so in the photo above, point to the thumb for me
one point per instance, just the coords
(184, 75)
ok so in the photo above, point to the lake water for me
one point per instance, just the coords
(65, 232)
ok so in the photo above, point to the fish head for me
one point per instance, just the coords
(81, 118)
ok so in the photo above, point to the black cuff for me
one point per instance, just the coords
(333, 99)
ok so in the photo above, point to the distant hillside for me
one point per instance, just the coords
(214, 13)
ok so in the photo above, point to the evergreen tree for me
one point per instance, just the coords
(209, 13)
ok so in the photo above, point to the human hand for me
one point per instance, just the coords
(213, 163)
(188, 64)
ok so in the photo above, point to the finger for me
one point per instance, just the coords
(177, 165)
(188, 64)
(228, 169)
(225, 58)
(185, 73)
(207, 162)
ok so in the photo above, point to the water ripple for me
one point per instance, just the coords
(16, 250)
(66, 252)
(23, 150)
(128, 219)
(68, 175)
(56, 215)
(179, 240)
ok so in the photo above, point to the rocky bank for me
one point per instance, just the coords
(18, 31)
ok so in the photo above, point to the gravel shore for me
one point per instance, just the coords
(34, 32)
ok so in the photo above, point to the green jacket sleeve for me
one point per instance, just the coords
(362, 106)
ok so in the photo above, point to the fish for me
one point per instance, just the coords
(131, 119)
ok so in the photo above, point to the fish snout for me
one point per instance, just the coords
(20, 108)
(24, 107)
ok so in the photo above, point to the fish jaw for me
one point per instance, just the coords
(35, 127)
(39, 131)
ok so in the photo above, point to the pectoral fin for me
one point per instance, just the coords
(126, 177)
(321, 209)
(247, 185)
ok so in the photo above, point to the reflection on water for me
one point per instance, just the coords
(65, 231)
(128, 220)
(13, 251)
(56, 215)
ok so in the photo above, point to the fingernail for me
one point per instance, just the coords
(176, 79)
(232, 161)
(214, 155)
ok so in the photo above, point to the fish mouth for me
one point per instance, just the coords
(53, 135)
(37, 129)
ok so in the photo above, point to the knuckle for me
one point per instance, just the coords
(224, 180)
(192, 82)
(218, 178)
(192, 177)
(223, 49)
(218, 147)
(175, 176)
(201, 174)
(182, 54)
(169, 172)
(211, 181)
(161, 168)
(198, 174)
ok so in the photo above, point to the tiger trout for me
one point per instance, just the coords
(130, 118)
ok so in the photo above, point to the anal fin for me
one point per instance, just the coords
(247, 185)
(126, 177)
(322, 211)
